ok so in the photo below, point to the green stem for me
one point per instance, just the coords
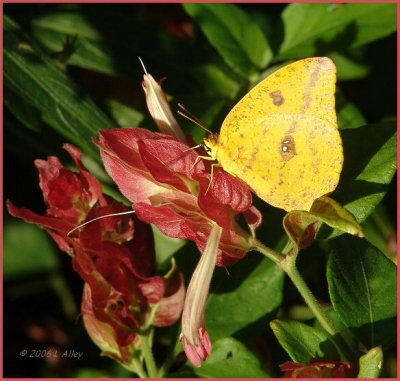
(288, 264)
(172, 352)
(138, 369)
(148, 356)
(65, 297)
(269, 253)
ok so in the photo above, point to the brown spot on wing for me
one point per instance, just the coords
(254, 153)
(277, 98)
(287, 148)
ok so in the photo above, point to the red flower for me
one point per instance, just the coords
(102, 334)
(114, 256)
(69, 197)
(319, 369)
(170, 187)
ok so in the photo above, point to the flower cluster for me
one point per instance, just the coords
(171, 188)
(114, 256)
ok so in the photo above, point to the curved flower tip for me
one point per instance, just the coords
(197, 353)
(319, 369)
(159, 108)
(195, 339)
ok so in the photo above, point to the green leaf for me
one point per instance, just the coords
(245, 300)
(124, 115)
(302, 227)
(341, 327)
(381, 232)
(348, 115)
(22, 110)
(334, 215)
(165, 247)
(362, 285)
(215, 81)
(67, 23)
(302, 342)
(348, 69)
(92, 52)
(370, 162)
(371, 363)
(312, 29)
(27, 251)
(38, 80)
(237, 38)
(110, 40)
(230, 358)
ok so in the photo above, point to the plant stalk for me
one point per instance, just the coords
(138, 369)
(148, 356)
(288, 264)
(273, 255)
(172, 352)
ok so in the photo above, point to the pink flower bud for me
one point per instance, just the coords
(195, 340)
(159, 108)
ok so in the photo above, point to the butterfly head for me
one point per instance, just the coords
(211, 144)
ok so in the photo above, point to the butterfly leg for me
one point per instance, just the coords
(212, 175)
(198, 158)
(212, 168)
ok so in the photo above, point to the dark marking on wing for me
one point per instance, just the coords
(287, 148)
(277, 98)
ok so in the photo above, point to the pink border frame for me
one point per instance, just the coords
(162, 2)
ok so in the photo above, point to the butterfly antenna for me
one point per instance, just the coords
(98, 218)
(144, 68)
(188, 115)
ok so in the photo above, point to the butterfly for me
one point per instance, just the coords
(282, 138)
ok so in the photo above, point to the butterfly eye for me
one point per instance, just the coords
(206, 148)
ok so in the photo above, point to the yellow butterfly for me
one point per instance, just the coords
(282, 137)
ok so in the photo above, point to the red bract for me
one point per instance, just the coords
(68, 196)
(319, 369)
(114, 256)
(102, 334)
(170, 187)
